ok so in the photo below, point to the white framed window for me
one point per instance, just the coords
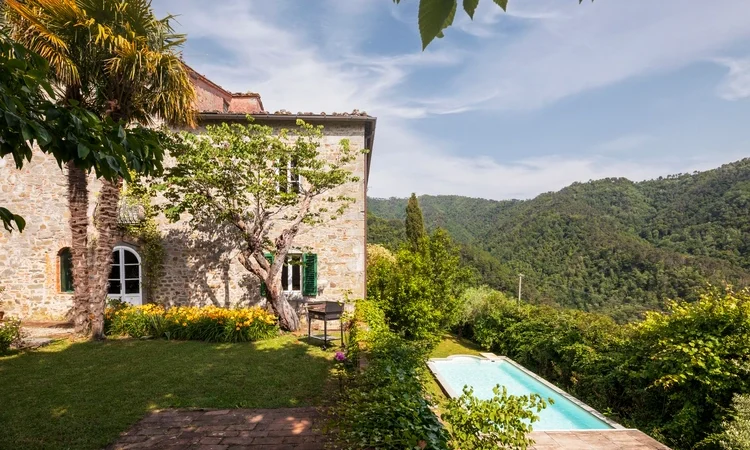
(125, 277)
(291, 273)
(285, 169)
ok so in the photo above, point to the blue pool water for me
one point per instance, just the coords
(483, 375)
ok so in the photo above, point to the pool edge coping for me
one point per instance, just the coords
(492, 357)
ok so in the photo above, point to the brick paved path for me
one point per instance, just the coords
(226, 429)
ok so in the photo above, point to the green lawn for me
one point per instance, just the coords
(454, 345)
(450, 345)
(82, 395)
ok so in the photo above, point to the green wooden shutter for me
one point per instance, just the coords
(66, 270)
(310, 276)
(263, 288)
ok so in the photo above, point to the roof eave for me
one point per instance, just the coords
(287, 117)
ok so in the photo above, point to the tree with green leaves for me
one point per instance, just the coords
(116, 59)
(420, 290)
(414, 223)
(30, 119)
(437, 15)
(263, 186)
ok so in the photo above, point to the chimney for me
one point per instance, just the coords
(245, 103)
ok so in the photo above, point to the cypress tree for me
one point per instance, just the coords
(414, 223)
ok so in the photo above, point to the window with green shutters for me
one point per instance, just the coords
(310, 275)
(303, 266)
(66, 270)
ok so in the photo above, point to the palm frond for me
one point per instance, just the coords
(123, 58)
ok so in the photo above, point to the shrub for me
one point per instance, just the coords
(10, 334)
(503, 421)
(209, 323)
(419, 292)
(690, 360)
(477, 302)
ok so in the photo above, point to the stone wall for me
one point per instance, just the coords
(29, 270)
(200, 266)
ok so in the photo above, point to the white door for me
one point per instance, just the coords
(125, 281)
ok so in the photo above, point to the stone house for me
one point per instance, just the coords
(199, 268)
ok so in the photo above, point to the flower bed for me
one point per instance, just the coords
(208, 323)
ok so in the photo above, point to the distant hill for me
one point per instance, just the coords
(610, 245)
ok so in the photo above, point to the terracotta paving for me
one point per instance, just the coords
(226, 429)
(595, 440)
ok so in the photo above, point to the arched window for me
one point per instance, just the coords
(125, 280)
(65, 262)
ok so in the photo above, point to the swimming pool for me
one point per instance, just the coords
(483, 374)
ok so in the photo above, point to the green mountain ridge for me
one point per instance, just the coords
(610, 245)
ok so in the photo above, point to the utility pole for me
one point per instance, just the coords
(520, 279)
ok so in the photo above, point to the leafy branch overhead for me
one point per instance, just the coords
(437, 15)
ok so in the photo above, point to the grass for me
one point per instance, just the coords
(454, 345)
(450, 345)
(82, 395)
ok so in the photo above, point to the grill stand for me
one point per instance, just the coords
(325, 311)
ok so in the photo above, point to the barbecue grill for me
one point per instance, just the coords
(325, 311)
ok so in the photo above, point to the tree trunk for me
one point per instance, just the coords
(288, 318)
(106, 225)
(78, 203)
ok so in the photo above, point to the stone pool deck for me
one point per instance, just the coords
(595, 440)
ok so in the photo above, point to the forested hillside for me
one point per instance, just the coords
(610, 245)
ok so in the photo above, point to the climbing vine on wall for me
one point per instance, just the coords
(138, 194)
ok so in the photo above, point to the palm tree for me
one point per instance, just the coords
(115, 58)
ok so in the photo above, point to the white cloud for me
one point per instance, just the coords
(590, 46)
(736, 84)
(298, 69)
(488, 15)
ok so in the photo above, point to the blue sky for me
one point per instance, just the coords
(509, 105)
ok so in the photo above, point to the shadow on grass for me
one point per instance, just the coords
(82, 395)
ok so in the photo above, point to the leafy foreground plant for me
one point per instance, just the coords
(504, 420)
(209, 323)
